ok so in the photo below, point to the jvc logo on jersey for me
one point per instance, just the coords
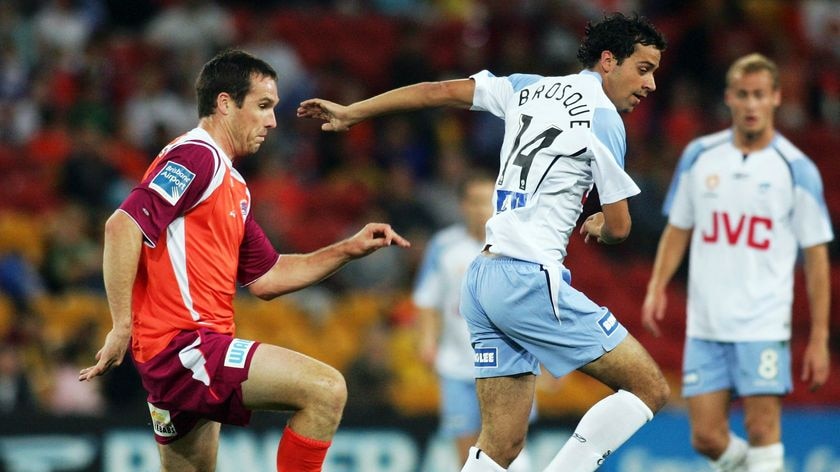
(733, 228)
(508, 200)
(608, 323)
(486, 357)
(172, 181)
(237, 353)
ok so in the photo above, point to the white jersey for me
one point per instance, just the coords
(562, 134)
(438, 286)
(750, 214)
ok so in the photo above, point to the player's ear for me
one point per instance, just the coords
(607, 61)
(223, 103)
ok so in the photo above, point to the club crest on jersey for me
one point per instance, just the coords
(712, 181)
(172, 182)
(162, 422)
(486, 357)
(237, 353)
(608, 323)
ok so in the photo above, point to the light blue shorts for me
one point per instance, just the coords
(745, 368)
(459, 412)
(521, 314)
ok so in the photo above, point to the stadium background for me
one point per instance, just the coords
(90, 90)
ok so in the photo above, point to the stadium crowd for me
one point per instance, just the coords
(91, 90)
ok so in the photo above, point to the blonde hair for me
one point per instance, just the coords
(750, 63)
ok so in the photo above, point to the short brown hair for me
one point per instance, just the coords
(750, 63)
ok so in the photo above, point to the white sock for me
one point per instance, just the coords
(605, 427)
(734, 457)
(478, 461)
(766, 458)
(522, 463)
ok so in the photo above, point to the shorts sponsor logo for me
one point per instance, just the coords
(172, 181)
(691, 378)
(486, 357)
(237, 353)
(608, 323)
(162, 422)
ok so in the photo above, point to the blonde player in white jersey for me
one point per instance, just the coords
(442, 331)
(562, 135)
(746, 200)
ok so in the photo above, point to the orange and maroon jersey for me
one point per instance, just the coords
(201, 239)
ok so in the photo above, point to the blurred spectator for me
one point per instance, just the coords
(68, 396)
(154, 107)
(370, 375)
(186, 26)
(72, 258)
(16, 396)
(88, 177)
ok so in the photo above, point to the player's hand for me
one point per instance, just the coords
(592, 227)
(336, 116)
(816, 364)
(111, 355)
(653, 311)
(372, 237)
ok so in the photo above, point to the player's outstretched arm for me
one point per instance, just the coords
(669, 255)
(295, 271)
(452, 93)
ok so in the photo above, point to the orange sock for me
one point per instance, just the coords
(297, 453)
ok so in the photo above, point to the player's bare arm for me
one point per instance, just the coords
(123, 242)
(816, 361)
(669, 255)
(450, 93)
(295, 271)
(611, 225)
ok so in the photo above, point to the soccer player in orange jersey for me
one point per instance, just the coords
(174, 252)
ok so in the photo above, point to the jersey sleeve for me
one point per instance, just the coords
(811, 221)
(427, 288)
(614, 184)
(256, 254)
(493, 93)
(171, 188)
(678, 206)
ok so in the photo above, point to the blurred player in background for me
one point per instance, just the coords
(746, 199)
(562, 135)
(444, 337)
(175, 250)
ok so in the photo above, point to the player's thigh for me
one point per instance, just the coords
(762, 419)
(708, 414)
(505, 406)
(282, 379)
(195, 452)
(630, 367)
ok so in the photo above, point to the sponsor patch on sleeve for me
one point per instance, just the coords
(172, 181)
(237, 353)
(162, 422)
(486, 357)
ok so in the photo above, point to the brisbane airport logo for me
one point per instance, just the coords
(172, 181)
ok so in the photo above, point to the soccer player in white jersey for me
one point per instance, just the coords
(746, 199)
(442, 331)
(562, 135)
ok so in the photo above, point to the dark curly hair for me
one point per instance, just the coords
(230, 71)
(618, 34)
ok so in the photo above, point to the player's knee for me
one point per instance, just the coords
(762, 430)
(710, 443)
(660, 394)
(331, 395)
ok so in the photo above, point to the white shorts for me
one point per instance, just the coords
(745, 368)
(521, 314)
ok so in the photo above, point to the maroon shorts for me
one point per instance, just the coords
(198, 375)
